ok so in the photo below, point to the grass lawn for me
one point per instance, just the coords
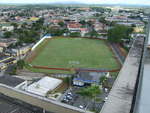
(74, 52)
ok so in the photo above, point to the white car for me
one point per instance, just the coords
(106, 98)
(81, 107)
(69, 97)
(106, 90)
(69, 93)
(65, 100)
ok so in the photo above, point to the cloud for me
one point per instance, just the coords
(146, 2)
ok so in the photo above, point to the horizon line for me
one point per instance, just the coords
(75, 3)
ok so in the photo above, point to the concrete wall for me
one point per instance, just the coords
(40, 41)
(121, 95)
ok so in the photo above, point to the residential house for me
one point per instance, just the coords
(10, 61)
(3, 66)
(1, 49)
(83, 31)
(34, 19)
(4, 58)
(99, 26)
(74, 26)
(84, 9)
(139, 29)
(22, 50)
(55, 21)
(7, 42)
(7, 28)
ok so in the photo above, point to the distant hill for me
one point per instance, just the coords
(74, 3)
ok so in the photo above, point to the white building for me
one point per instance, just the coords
(43, 86)
(8, 28)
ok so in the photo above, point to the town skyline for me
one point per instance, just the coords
(128, 2)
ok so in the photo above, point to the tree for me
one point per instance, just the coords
(90, 23)
(113, 23)
(83, 22)
(15, 25)
(91, 92)
(62, 24)
(56, 31)
(67, 80)
(28, 36)
(93, 34)
(118, 33)
(98, 14)
(103, 79)
(102, 20)
(20, 64)
(13, 70)
(75, 34)
(133, 25)
(40, 21)
(7, 34)
(24, 25)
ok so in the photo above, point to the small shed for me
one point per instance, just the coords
(83, 78)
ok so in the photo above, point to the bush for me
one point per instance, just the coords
(67, 80)
(75, 34)
(14, 70)
(20, 64)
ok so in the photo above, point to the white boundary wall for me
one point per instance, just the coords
(40, 41)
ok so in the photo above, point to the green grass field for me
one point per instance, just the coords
(74, 52)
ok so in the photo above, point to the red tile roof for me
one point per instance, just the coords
(74, 25)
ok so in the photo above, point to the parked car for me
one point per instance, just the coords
(69, 93)
(82, 107)
(65, 100)
(106, 98)
(106, 90)
(69, 97)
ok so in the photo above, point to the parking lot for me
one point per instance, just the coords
(72, 97)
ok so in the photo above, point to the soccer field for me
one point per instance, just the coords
(74, 53)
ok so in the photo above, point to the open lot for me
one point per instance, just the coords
(73, 53)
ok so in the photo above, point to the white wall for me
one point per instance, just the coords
(40, 41)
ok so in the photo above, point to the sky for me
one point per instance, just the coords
(138, 2)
